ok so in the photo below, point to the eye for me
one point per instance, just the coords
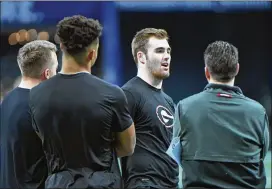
(160, 50)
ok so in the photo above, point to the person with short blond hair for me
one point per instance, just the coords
(23, 163)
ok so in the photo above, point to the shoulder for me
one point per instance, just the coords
(131, 85)
(253, 106)
(8, 96)
(117, 96)
(191, 102)
(16, 103)
(104, 86)
(109, 88)
(169, 99)
(193, 99)
(132, 88)
(17, 94)
(114, 92)
(44, 85)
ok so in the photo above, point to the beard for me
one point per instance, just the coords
(157, 71)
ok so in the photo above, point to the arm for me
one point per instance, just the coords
(34, 125)
(31, 108)
(123, 127)
(266, 137)
(125, 142)
(177, 126)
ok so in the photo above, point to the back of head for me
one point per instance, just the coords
(141, 39)
(77, 34)
(35, 57)
(221, 59)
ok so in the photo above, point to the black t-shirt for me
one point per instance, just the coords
(152, 111)
(76, 115)
(23, 163)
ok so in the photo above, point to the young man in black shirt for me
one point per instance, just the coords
(152, 111)
(224, 134)
(82, 120)
(23, 163)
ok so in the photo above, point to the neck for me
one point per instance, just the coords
(28, 83)
(230, 83)
(70, 66)
(150, 79)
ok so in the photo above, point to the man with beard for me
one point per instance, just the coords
(152, 111)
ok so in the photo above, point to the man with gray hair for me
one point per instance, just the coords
(23, 163)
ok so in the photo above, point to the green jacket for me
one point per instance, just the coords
(222, 125)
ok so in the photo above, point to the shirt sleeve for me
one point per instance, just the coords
(121, 116)
(131, 103)
(33, 122)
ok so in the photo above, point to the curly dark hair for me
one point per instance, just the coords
(78, 32)
(221, 59)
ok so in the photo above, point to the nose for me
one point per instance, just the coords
(166, 57)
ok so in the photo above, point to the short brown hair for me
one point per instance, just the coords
(34, 57)
(140, 40)
(221, 59)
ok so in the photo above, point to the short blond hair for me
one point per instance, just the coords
(34, 57)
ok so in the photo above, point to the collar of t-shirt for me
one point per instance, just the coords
(74, 73)
(148, 85)
(223, 87)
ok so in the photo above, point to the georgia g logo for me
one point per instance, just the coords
(165, 116)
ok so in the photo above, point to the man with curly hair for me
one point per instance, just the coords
(83, 121)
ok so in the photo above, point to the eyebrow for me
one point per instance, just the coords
(168, 48)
